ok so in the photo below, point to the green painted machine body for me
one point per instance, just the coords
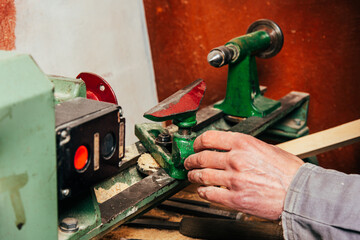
(28, 198)
(182, 147)
(67, 88)
(147, 134)
(29, 203)
(181, 108)
(172, 162)
(243, 97)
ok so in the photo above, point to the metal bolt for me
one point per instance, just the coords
(297, 121)
(64, 134)
(65, 192)
(163, 139)
(65, 137)
(69, 224)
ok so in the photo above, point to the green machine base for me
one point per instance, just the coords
(29, 203)
(293, 105)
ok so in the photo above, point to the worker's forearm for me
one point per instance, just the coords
(322, 204)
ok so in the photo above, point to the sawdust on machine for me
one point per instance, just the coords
(147, 163)
(103, 195)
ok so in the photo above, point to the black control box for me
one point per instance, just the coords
(90, 138)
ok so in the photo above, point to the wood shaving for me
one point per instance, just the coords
(103, 195)
(147, 163)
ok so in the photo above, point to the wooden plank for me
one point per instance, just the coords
(323, 141)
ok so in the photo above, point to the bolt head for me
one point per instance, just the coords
(65, 192)
(64, 134)
(164, 137)
(69, 224)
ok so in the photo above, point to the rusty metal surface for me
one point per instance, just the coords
(319, 56)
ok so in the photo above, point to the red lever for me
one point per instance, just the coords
(97, 88)
(182, 103)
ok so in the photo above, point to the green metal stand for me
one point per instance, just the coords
(243, 97)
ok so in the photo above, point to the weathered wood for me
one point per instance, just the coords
(323, 141)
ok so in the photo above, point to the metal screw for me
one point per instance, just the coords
(64, 134)
(65, 192)
(69, 224)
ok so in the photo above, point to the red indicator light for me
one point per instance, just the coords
(81, 158)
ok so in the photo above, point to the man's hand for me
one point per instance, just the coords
(256, 175)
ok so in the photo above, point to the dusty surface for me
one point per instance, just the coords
(104, 194)
(146, 234)
(147, 163)
(142, 233)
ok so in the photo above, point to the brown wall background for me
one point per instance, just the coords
(320, 55)
(7, 24)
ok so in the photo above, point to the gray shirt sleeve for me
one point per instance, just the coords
(322, 204)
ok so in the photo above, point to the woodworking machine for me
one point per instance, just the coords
(244, 108)
(65, 172)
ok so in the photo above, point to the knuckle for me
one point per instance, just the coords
(197, 176)
(202, 178)
(205, 139)
(206, 193)
(189, 162)
(235, 181)
(243, 140)
(191, 176)
(201, 160)
(233, 160)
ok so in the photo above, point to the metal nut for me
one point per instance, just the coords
(69, 224)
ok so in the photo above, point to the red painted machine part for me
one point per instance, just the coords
(97, 88)
(187, 103)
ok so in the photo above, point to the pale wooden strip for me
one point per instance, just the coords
(323, 141)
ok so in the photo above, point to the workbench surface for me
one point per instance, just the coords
(127, 232)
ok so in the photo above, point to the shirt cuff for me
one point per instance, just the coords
(292, 195)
